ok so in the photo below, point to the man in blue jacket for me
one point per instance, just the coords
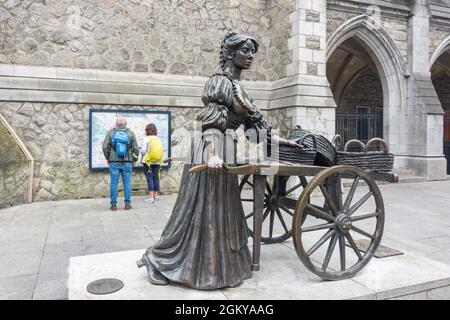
(121, 152)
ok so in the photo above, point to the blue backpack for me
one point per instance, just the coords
(120, 143)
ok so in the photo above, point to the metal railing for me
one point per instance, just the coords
(361, 126)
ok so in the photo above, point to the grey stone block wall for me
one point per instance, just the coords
(172, 37)
(280, 121)
(397, 28)
(14, 171)
(57, 136)
(437, 35)
(366, 90)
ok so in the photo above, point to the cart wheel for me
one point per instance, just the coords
(340, 222)
(279, 204)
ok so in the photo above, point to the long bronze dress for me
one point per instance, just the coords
(204, 244)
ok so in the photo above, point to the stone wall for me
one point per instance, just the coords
(176, 36)
(57, 137)
(437, 35)
(280, 121)
(397, 28)
(442, 86)
(366, 90)
(13, 171)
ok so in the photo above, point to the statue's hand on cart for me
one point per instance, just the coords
(293, 143)
(285, 142)
(215, 164)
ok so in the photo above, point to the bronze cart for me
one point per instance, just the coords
(267, 190)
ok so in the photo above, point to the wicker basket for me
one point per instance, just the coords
(326, 153)
(382, 161)
(305, 155)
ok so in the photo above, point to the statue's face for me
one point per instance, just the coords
(243, 58)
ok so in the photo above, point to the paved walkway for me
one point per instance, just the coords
(36, 240)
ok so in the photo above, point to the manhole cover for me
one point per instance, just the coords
(104, 286)
(382, 251)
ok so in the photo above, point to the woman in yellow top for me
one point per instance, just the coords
(152, 153)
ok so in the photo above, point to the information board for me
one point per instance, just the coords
(100, 121)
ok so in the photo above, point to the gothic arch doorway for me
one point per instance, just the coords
(440, 76)
(358, 92)
(359, 49)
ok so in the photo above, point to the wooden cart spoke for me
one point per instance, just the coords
(303, 181)
(286, 210)
(268, 187)
(342, 251)
(294, 188)
(321, 241)
(272, 218)
(350, 195)
(335, 215)
(287, 202)
(280, 217)
(319, 213)
(249, 215)
(364, 216)
(330, 250)
(362, 232)
(328, 200)
(271, 202)
(353, 245)
(266, 213)
(318, 227)
(361, 201)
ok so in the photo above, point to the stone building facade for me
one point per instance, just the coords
(58, 59)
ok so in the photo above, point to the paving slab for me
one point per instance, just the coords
(64, 234)
(19, 264)
(6, 216)
(282, 276)
(129, 244)
(50, 289)
(54, 268)
(17, 288)
(12, 246)
(63, 249)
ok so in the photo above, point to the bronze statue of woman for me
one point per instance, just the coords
(204, 244)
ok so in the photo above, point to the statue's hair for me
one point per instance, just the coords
(230, 43)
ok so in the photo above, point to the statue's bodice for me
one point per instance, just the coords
(234, 120)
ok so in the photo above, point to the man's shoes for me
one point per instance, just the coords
(113, 207)
(128, 206)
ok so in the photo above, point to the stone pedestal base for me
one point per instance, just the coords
(282, 276)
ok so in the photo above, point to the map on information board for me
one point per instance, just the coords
(100, 121)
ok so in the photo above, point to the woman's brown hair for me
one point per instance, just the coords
(151, 130)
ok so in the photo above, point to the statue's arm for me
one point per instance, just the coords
(257, 123)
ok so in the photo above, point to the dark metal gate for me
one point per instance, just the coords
(447, 139)
(359, 125)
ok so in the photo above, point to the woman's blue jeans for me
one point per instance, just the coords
(117, 169)
(152, 175)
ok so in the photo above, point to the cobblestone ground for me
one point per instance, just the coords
(37, 240)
